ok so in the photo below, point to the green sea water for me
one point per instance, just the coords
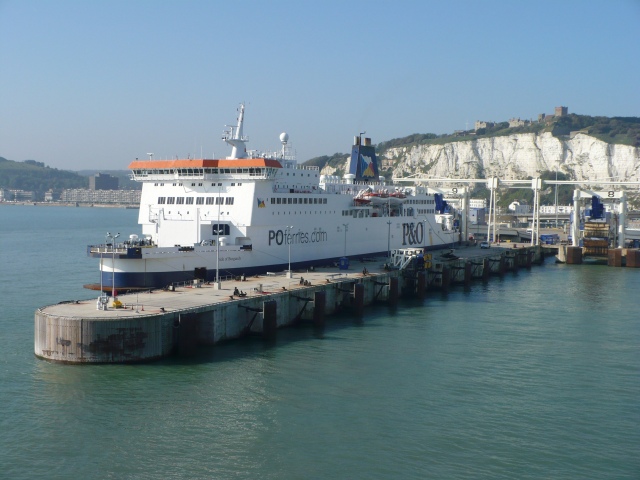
(536, 375)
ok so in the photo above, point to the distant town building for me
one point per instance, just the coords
(9, 195)
(516, 122)
(386, 162)
(103, 181)
(519, 209)
(477, 216)
(101, 196)
(559, 112)
(478, 203)
(51, 196)
(551, 209)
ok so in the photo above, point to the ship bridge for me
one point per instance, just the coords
(203, 169)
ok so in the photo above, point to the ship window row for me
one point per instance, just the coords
(210, 171)
(356, 213)
(421, 202)
(213, 184)
(307, 212)
(302, 175)
(298, 201)
(198, 200)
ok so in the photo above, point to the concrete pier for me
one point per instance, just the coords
(154, 324)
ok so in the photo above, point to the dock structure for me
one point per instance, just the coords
(154, 324)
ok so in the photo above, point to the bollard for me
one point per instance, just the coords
(319, 303)
(358, 297)
(421, 284)
(269, 319)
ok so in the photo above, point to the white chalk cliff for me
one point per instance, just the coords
(517, 157)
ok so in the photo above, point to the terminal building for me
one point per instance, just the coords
(102, 181)
(79, 195)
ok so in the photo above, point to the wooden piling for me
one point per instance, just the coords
(633, 258)
(319, 304)
(187, 334)
(269, 319)
(358, 299)
(486, 269)
(394, 291)
(446, 278)
(574, 255)
(614, 257)
(467, 274)
(421, 284)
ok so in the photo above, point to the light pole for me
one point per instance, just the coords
(101, 259)
(389, 239)
(346, 229)
(217, 232)
(289, 228)
(102, 299)
(113, 267)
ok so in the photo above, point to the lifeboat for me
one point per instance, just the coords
(379, 197)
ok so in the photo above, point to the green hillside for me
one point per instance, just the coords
(36, 176)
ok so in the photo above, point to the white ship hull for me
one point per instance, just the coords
(160, 266)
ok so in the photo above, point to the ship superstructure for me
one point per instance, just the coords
(253, 213)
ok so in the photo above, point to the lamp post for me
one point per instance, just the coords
(113, 267)
(102, 299)
(389, 239)
(101, 259)
(217, 232)
(289, 228)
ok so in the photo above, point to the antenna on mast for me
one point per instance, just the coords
(284, 138)
(235, 138)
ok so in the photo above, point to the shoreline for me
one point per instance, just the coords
(129, 206)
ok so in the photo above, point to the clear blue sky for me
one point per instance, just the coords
(95, 84)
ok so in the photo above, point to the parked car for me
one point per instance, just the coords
(484, 245)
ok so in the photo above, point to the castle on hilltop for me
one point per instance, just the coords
(517, 122)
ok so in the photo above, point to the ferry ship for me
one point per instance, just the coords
(253, 213)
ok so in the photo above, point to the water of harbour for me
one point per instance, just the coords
(533, 376)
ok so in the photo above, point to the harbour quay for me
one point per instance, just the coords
(179, 319)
